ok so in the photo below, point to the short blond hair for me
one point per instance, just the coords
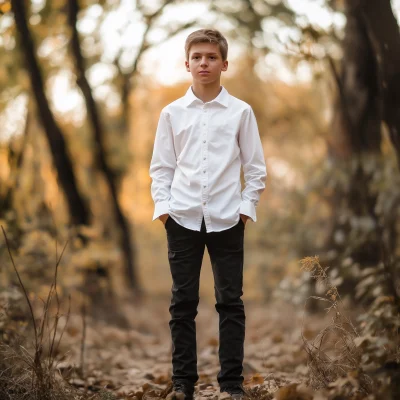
(207, 36)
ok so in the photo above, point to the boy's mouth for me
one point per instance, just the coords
(204, 72)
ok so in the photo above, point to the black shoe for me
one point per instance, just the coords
(236, 392)
(181, 391)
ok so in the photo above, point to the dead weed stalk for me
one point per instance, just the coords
(332, 353)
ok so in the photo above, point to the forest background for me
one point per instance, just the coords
(82, 86)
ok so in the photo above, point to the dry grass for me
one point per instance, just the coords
(29, 371)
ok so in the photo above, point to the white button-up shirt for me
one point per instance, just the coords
(198, 151)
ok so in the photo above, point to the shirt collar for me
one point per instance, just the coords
(222, 98)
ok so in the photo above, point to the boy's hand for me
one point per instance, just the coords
(244, 218)
(163, 218)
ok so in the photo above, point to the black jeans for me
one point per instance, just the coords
(185, 254)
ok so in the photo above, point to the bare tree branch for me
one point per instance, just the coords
(101, 156)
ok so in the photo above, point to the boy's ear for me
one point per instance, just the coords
(187, 66)
(224, 65)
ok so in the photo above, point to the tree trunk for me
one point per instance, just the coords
(356, 123)
(367, 95)
(383, 31)
(355, 139)
(78, 209)
(384, 34)
(111, 178)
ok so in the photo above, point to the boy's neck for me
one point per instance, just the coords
(207, 92)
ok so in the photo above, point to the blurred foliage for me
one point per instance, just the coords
(296, 213)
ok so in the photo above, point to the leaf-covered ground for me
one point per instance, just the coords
(130, 361)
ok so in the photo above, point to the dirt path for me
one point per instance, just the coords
(128, 361)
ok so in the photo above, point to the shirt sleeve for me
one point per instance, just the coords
(162, 166)
(253, 162)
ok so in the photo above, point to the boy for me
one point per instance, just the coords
(202, 140)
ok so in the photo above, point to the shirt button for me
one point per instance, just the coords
(204, 186)
(204, 141)
(204, 158)
(204, 203)
(204, 172)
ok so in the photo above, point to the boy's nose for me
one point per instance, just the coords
(204, 61)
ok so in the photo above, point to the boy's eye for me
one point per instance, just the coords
(197, 57)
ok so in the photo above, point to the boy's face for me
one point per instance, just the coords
(205, 63)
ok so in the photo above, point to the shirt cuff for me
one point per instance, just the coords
(248, 208)
(161, 208)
